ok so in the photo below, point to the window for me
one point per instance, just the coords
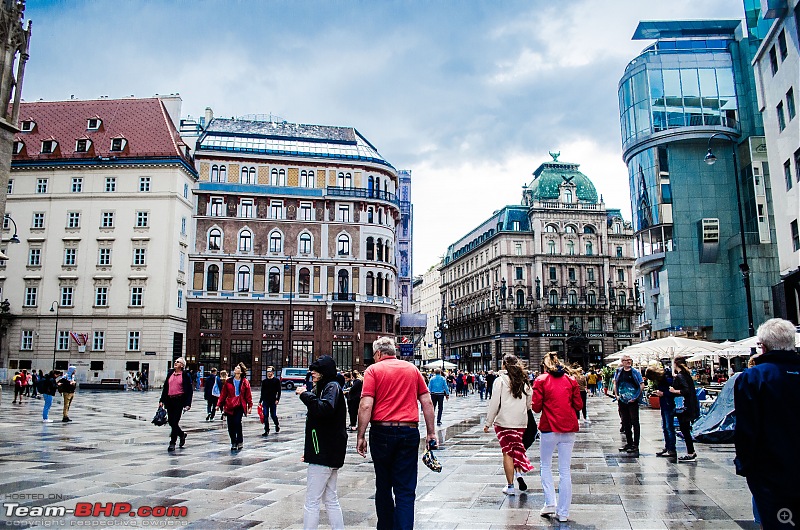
(520, 298)
(49, 146)
(246, 208)
(556, 323)
(588, 229)
(111, 184)
(212, 278)
(101, 296)
(342, 321)
(28, 125)
(104, 257)
(782, 44)
(379, 250)
(210, 318)
(551, 247)
(182, 261)
(133, 340)
(344, 214)
(304, 281)
(576, 324)
(571, 274)
(302, 352)
(34, 257)
(307, 179)
(93, 124)
(370, 284)
(63, 340)
(621, 298)
(620, 275)
(571, 248)
(275, 242)
(185, 191)
(10, 187)
(38, 220)
(787, 174)
(118, 144)
(107, 220)
(77, 185)
(344, 180)
(797, 165)
(26, 343)
(589, 248)
(572, 297)
(66, 297)
(217, 207)
(342, 353)
(343, 245)
(245, 241)
(243, 279)
(303, 321)
(781, 117)
(70, 257)
(370, 248)
(242, 319)
(73, 219)
(518, 273)
(274, 280)
(142, 219)
(790, 107)
(344, 282)
(518, 249)
(619, 252)
(795, 236)
(570, 229)
(590, 274)
(82, 145)
(773, 60)
(137, 294)
(520, 324)
(515, 226)
(552, 297)
(248, 175)
(591, 298)
(622, 324)
(99, 341)
(144, 183)
(139, 255)
(276, 210)
(551, 229)
(595, 323)
(41, 185)
(305, 244)
(370, 215)
(277, 177)
(373, 322)
(272, 320)
(306, 212)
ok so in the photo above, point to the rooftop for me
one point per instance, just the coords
(681, 29)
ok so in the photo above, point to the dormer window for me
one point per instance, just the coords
(83, 145)
(93, 124)
(49, 146)
(28, 125)
(18, 147)
(118, 144)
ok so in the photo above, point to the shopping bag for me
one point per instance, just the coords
(261, 412)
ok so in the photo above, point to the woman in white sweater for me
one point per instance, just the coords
(508, 413)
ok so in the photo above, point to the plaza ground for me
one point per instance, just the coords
(111, 453)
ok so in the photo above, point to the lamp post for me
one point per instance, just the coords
(54, 309)
(291, 315)
(12, 239)
(710, 159)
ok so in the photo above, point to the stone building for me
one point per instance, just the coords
(295, 246)
(553, 274)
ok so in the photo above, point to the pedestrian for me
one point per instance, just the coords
(236, 401)
(508, 413)
(176, 397)
(683, 385)
(270, 397)
(439, 392)
(211, 390)
(480, 378)
(661, 375)
(389, 399)
(325, 443)
(145, 380)
(591, 381)
(558, 397)
(577, 374)
(354, 397)
(766, 443)
(490, 377)
(67, 384)
(628, 388)
(17, 388)
(460, 384)
(48, 388)
(33, 381)
(28, 383)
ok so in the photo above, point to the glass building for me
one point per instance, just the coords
(694, 83)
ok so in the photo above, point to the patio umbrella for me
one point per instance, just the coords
(674, 347)
(444, 365)
(743, 347)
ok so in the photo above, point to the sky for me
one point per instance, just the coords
(470, 96)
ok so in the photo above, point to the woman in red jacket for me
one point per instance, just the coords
(557, 396)
(236, 400)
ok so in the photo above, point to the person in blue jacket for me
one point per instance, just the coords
(440, 391)
(628, 388)
(767, 431)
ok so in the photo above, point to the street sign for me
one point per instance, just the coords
(437, 334)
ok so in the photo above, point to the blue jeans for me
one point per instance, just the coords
(48, 401)
(668, 425)
(394, 454)
(438, 401)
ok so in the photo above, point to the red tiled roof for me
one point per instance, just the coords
(144, 123)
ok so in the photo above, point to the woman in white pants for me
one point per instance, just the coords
(557, 396)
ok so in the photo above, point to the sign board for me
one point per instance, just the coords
(406, 350)
(476, 354)
(149, 353)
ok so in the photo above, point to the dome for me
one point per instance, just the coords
(550, 175)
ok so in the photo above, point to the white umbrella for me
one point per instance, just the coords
(444, 365)
(674, 346)
(742, 348)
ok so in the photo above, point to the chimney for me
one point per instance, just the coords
(209, 115)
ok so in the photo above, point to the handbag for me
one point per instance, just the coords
(261, 412)
(529, 436)
(161, 417)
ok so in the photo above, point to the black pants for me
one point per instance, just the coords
(578, 412)
(211, 406)
(235, 425)
(629, 413)
(686, 429)
(775, 506)
(352, 410)
(174, 408)
(270, 411)
(438, 401)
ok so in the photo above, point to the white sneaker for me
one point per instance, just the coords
(562, 518)
(547, 511)
(509, 490)
(47, 421)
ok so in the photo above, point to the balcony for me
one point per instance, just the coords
(343, 297)
(363, 193)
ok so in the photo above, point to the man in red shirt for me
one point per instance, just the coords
(389, 399)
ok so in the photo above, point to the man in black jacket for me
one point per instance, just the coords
(767, 433)
(270, 396)
(212, 380)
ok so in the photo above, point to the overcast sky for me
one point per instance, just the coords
(468, 95)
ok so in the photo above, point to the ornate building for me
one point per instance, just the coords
(554, 274)
(295, 246)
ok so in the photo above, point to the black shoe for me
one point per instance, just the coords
(239, 447)
(688, 458)
(633, 451)
(621, 429)
(171, 447)
(208, 417)
(183, 440)
(65, 419)
(266, 433)
(667, 454)
(625, 448)
(439, 423)
(521, 484)
(233, 447)
(277, 428)
(663, 452)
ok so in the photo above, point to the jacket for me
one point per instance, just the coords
(638, 380)
(227, 396)
(208, 386)
(557, 396)
(685, 384)
(48, 385)
(186, 383)
(766, 398)
(504, 409)
(326, 420)
(438, 385)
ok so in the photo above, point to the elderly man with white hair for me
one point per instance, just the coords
(767, 432)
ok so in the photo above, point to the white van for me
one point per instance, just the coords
(292, 377)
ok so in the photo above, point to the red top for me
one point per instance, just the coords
(396, 386)
(175, 384)
(557, 398)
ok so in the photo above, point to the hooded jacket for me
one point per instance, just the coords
(326, 421)
(557, 396)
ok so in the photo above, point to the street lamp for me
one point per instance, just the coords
(710, 159)
(54, 309)
(13, 239)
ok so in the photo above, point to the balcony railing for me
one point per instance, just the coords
(343, 297)
(363, 193)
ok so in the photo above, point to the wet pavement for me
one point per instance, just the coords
(111, 453)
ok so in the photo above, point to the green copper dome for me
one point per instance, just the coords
(550, 175)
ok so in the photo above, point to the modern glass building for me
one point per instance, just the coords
(691, 90)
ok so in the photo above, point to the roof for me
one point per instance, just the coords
(143, 123)
(550, 175)
(677, 29)
(501, 221)
(288, 139)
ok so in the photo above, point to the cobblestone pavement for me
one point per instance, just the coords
(111, 453)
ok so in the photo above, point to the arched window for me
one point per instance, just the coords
(621, 298)
(380, 216)
(380, 284)
(370, 284)
(571, 248)
(215, 173)
(568, 196)
(212, 278)
(370, 186)
(245, 178)
(370, 215)
(386, 253)
(252, 175)
(343, 245)
(379, 252)
(274, 280)
(553, 229)
(273, 177)
(223, 174)
(552, 298)
(370, 249)
(275, 242)
(307, 179)
(551, 247)
(588, 229)
(570, 229)
(344, 281)
(245, 241)
(304, 281)
(243, 279)
(591, 298)
(520, 298)
(305, 243)
(215, 239)
(386, 286)
(572, 297)
(589, 248)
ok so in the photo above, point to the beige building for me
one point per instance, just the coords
(428, 296)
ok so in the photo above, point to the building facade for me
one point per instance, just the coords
(776, 66)
(405, 242)
(689, 94)
(428, 296)
(100, 198)
(553, 274)
(295, 248)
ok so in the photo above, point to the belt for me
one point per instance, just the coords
(396, 424)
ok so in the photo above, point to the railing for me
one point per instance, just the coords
(552, 205)
(363, 193)
(343, 297)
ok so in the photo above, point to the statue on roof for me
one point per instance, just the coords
(555, 155)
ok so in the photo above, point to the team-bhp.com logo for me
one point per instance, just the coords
(96, 509)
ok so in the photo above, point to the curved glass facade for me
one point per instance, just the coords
(651, 201)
